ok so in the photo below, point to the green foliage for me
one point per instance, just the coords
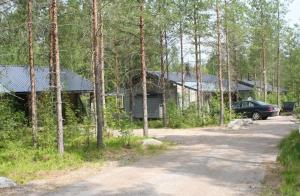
(117, 119)
(209, 115)
(12, 122)
(289, 157)
(46, 121)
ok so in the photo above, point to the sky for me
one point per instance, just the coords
(293, 16)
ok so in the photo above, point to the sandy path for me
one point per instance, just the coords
(209, 161)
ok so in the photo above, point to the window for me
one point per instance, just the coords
(237, 105)
(247, 104)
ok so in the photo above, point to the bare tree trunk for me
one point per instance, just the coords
(228, 60)
(263, 45)
(182, 65)
(101, 59)
(163, 84)
(196, 62)
(60, 131)
(32, 76)
(167, 54)
(220, 65)
(51, 53)
(131, 98)
(167, 85)
(143, 67)
(278, 55)
(200, 76)
(264, 71)
(117, 78)
(97, 71)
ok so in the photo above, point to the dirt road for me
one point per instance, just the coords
(209, 161)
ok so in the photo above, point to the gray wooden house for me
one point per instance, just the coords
(15, 81)
(133, 94)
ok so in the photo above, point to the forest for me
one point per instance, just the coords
(106, 41)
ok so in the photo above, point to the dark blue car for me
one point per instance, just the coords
(255, 109)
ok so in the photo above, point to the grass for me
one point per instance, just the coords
(23, 163)
(289, 158)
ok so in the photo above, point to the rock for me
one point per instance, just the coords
(151, 142)
(235, 124)
(6, 183)
(238, 123)
(247, 121)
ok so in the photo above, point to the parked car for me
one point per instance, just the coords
(255, 109)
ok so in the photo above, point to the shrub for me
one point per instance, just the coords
(12, 122)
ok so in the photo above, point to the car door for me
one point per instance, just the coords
(237, 107)
(247, 108)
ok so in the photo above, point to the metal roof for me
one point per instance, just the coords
(257, 83)
(209, 82)
(17, 79)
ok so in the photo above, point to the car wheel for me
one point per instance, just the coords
(255, 116)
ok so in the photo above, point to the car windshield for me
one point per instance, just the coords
(261, 103)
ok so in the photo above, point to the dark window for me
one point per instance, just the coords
(237, 105)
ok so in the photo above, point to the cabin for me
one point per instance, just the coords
(15, 81)
(210, 87)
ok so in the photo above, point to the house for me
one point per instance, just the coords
(256, 84)
(210, 87)
(15, 80)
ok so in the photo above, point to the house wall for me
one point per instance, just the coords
(154, 99)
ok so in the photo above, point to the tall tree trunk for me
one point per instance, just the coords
(263, 45)
(220, 65)
(264, 71)
(167, 54)
(32, 76)
(131, 98)
(97, 71)
(101, 59)
(228, 59)
(163, 84)
(182, 65)
(278, 54)
(59, 117)
(143, 67)
(200, 75)
(51, 53)
(117, 78)
(196, 62)
(167, 84)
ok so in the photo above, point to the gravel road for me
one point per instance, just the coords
(207, 161)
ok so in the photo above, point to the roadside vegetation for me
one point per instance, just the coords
(289, 158)
(22, 162)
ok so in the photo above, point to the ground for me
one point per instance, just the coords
(206, 161)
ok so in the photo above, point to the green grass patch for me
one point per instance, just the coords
(290, 160)
(24, 163)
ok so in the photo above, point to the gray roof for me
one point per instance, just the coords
(17, 79)
(257, 83)
(209, 82)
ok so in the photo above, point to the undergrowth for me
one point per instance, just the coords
(289, 158)
(22, 162)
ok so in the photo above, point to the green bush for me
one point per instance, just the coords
(289, 157)
(12, 122)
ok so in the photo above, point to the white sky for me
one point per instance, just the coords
(293, 16)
